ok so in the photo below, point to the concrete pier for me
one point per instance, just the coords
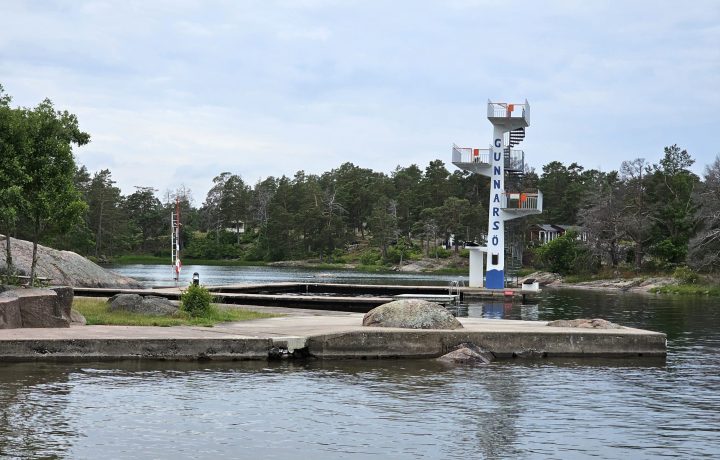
(323, 335)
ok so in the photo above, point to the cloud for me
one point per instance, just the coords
(177, 92)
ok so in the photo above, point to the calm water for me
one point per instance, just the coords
(162, 275)
(638, 408)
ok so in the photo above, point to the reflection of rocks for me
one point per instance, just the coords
(468, 353)
(148, 305)
(596, 323)
(411, 314)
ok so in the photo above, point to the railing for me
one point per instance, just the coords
(522, 201)
(514, 160)
(506, 110)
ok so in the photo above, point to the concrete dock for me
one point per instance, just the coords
(323, 335)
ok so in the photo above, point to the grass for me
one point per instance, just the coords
(96, 312)
(710, 290)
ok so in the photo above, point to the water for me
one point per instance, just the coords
(162, 275)
(400, 409)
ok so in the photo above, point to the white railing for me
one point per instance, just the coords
(507, 110)
(515, 160)
(522, 201)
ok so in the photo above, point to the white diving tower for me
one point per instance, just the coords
(509, 122)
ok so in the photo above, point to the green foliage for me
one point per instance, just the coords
(711, 290)
(196, 300)
(371, 257)
(565, 255)
(686, 275)
(96, 311)
(442, 253)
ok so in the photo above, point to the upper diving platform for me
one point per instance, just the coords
(509, 115)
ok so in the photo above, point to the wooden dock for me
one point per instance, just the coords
(318, 296)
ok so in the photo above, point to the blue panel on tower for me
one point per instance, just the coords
(495, 279)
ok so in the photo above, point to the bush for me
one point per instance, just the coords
(195, 300)
(566, 255)
(686, 275)
(370, 257)
(442, 253)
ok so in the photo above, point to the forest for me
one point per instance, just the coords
(654, 215)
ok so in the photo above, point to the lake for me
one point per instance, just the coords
(400, 409)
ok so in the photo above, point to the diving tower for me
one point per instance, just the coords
(496, 162)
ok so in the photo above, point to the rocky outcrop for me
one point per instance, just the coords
(596, 323)
(148, 305)
(543, 278)
(64, 267)
(411, 314)
(468, 353)
(33, 308)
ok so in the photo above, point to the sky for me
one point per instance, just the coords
(175, 92)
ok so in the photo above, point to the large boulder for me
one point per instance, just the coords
(596, 323)
(64, 300)
(411, 314)
(468, 353)
(148, 305)
(38, 308)
(10, 317)
(64, 267)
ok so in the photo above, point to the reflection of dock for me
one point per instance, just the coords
(319, 296)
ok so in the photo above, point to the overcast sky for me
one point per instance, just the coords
(175, 92)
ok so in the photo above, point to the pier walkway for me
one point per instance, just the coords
(323, 335)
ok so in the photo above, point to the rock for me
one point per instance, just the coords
(149, 305)
(543, 278)
(468, 353)
(596, 323)
(65, 267)
(154, 305)
(64, 300)
(77, 318)
(38, 308)
(411, 314)
(10, 317)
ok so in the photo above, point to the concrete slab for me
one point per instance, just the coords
(324, 336)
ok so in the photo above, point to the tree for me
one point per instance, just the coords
(104, 201)
(603, 220)
(146, 216)
(12, 176)
(52, 200)
(704, 247)
(383, 225)
(635, 214)
(671, 188)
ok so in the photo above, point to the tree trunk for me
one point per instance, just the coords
(638, 255)
(36, 237)
(8, 254)
(98, 234)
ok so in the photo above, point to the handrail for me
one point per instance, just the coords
(522, 201)
(514, 160)
(501, 110)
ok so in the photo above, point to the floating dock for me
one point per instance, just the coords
(359, 298)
